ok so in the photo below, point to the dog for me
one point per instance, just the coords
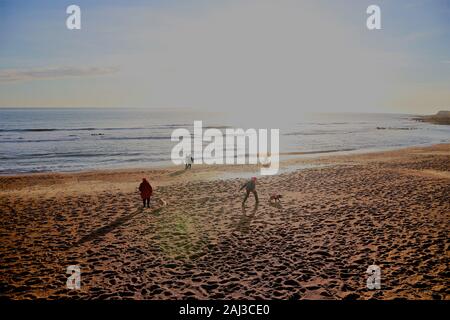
(276, 198)
(163, 202)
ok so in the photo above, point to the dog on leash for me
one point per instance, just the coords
(275, 198)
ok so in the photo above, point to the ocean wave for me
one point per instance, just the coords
(168, 126)
(51, 130)
(73, 155)
(100, 136)
(20, 140)
(136, 138)
(397, 128)
(318, 133)
(172, 126)
(332, 123)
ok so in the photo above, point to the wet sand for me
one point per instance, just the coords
(391, 209)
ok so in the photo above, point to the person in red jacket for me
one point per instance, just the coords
(146, 192)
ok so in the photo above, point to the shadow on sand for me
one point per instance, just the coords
(244, 222)
(100, 232)
(11, 209)
(276, 205)
(177, 173)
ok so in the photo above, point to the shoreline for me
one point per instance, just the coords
(124, 179)
(285, 157)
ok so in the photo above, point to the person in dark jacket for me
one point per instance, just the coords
(250, 186)
(189, 161)
(146, 192)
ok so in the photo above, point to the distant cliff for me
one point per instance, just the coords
(442, 117)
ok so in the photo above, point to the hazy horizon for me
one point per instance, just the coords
(189, 109)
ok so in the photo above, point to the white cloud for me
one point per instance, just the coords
(14, 75)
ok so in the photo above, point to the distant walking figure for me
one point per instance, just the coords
(146, 192)
(189, 161)
(250, 186)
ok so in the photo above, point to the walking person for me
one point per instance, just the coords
(189, 161)
(146, 192)
(250, 186)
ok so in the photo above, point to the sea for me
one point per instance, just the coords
(77, 139)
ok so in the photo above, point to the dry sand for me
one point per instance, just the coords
(391, 209)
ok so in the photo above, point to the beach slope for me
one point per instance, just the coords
(390, 209)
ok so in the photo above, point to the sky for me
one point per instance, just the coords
(243, 56)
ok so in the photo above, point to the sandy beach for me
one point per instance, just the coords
(337, 216)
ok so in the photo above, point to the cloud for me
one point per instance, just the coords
(14, 75)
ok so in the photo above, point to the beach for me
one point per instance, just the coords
(339, 214)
